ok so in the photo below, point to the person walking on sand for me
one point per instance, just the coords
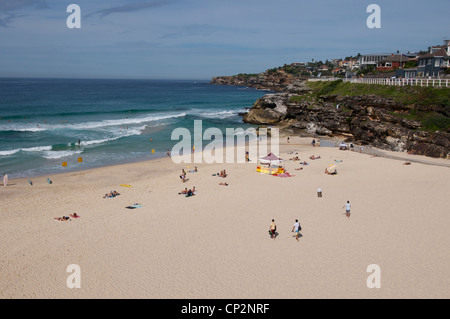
(296, 229)
(347, 209)
(273, 229)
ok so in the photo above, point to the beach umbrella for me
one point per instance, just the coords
(271, 159)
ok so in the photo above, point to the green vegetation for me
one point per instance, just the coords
(412, 96)
(407, 95)
(245, 76)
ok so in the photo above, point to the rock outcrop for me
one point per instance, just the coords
(366, 119)
(272, 81)
(362, 119)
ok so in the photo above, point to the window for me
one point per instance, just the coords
(437, 63)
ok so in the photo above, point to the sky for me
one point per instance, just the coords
(199, 39)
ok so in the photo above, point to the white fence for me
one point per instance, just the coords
(397, 82)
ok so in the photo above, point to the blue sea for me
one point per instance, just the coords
(45, 122)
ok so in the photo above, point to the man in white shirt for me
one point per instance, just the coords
(296, 229)
(347, 209)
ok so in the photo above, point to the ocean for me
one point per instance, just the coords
(45, 122)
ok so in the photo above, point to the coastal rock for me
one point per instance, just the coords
(366, 119)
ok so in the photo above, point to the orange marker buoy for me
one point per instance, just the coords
(64, 164)
(80, 159)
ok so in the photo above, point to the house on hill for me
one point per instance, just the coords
(392, 62)
(436, 62)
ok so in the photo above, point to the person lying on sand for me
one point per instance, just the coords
(74, 215)
(294, 159)
(304, 163)
(183, 191)
(62, 219)
(224, 184)
(111, 194)
(407, 163)
(314, 157)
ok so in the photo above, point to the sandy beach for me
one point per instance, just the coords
(216, 244)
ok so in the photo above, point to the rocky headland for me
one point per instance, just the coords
(415, 120)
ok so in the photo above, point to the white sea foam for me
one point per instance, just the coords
(59, 154)
(120, 122)
(10, 152)
(214, 114)
(92, 124)
(29, 149)
(17, 128)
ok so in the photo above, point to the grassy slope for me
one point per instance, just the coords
(412, 96)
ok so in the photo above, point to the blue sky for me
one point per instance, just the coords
(198, 39)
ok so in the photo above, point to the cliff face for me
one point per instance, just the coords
(364, 119)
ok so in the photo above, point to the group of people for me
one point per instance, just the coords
(111, 194)
(66, 218)
(295, 229)
(188, 193)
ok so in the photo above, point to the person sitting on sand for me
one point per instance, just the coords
(190, 193)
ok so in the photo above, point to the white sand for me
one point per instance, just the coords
(216, 244)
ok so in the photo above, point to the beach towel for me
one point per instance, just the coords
(283, 175)
(73, 216)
